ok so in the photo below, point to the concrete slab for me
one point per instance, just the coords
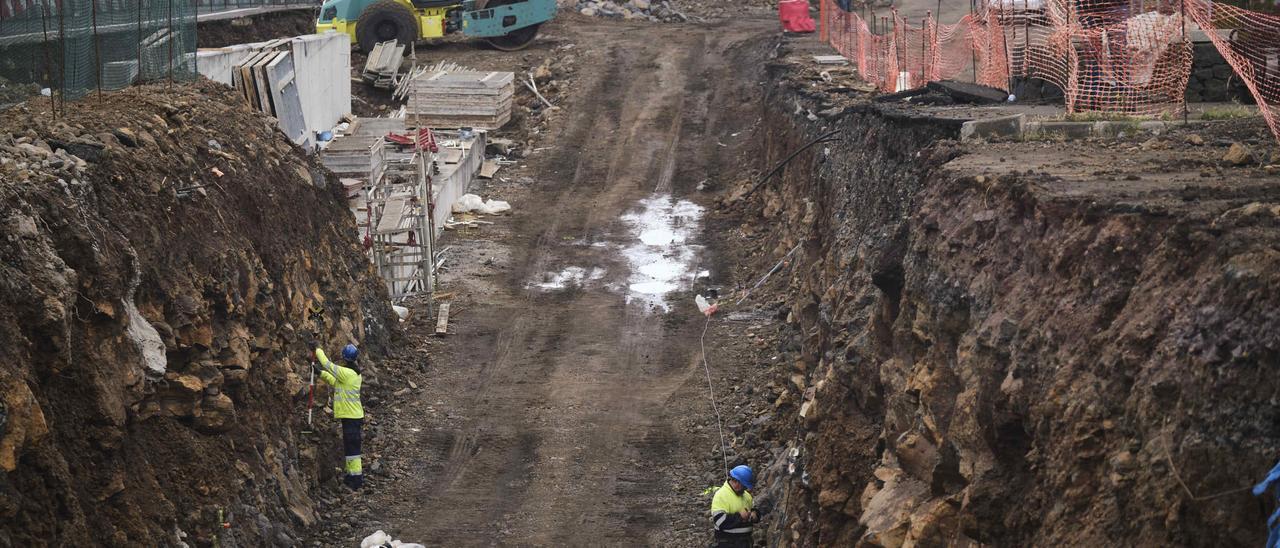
(1001, 127)
(322, 63)
(284, 94)
(1065, 130)
(348, 155)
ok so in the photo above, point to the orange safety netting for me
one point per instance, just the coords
(1250, 42)
(1113, 56)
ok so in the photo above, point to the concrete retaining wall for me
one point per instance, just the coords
(322, 68)
(215, 64)
(454, 179)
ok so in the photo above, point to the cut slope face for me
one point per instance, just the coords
(1019, 344)
(166, 258)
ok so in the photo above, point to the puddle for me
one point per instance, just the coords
(661, 258)
(570, 276)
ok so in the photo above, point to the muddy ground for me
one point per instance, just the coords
(560, 413)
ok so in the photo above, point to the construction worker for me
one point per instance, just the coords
(345, 380)
(731, 510)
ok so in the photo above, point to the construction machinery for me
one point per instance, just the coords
(508, 25)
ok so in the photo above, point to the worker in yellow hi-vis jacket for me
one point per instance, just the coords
(732, 512)
(345, 380)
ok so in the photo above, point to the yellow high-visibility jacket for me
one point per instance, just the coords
(346, 388)
(724, 511)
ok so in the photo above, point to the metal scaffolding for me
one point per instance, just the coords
(400, 215)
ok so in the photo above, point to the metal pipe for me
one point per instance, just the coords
(171, 39)
(62, 37)
(48, 64)
(823, 138)
(97, 46)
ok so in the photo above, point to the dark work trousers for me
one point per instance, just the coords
(351, 449)
(731, 541)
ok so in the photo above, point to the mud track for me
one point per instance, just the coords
(559, 408)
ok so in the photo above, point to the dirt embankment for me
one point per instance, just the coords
(984, 347)
(257, 28)
(165, 258)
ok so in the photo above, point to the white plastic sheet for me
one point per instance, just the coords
(470, 202)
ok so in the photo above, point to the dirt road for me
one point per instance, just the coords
(556, 412)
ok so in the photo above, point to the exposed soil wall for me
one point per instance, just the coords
(257, 28)
(165, 256)
(982, 358)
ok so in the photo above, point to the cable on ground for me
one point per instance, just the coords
(770, 273)
(706, 365)
(826, 137)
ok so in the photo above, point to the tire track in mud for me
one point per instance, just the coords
(464, 446)
(565, 399)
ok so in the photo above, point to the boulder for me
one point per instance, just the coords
(126, 136)
(543, 72)
(1239, 155)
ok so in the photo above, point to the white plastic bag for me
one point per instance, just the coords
(704, 307)
(378, 538)
(494, 207)
(470, 202)
(467, 203)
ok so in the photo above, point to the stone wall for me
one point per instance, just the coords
(1212, 80)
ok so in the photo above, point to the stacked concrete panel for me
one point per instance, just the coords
(290, 79)
(382, 66)
(348, 155)
(455, 99)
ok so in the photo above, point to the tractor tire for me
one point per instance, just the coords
(515, 40)
(385, 20)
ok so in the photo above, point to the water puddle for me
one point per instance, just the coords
(573, 276)
(661, 257)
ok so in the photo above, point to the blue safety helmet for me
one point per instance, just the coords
(743, 474)
(350, 353)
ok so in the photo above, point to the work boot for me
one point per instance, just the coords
(354, 481)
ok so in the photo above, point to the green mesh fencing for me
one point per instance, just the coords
(214, 6)
(75, 47)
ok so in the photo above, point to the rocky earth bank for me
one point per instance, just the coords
(166, 255)
(975, 352)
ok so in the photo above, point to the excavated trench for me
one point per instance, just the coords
(979, 353)
(972, 352)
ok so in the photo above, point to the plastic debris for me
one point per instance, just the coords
(380, 539)
(470, 202)
(706, 308)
